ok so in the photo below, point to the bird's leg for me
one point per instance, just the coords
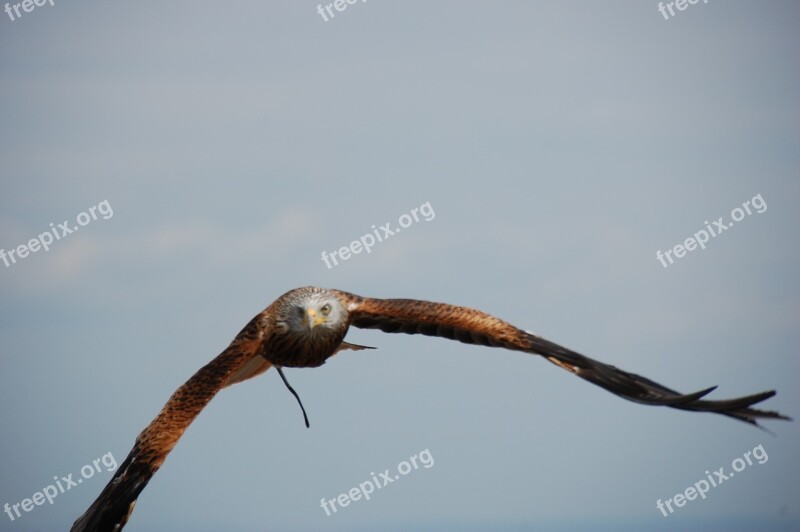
(305, 417)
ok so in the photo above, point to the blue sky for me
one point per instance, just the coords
(560, 145)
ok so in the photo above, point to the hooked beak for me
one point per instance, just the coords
(315, 319)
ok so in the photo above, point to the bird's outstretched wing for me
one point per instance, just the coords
(472, 326)
(240, 361)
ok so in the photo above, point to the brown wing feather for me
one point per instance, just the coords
(472, 326)
(240, 361)
(412, 316)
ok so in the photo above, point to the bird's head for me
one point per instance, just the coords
(322, 312)
(315, 311)
(310, 324)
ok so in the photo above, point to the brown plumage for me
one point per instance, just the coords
(306, 326)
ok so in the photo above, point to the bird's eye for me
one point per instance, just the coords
(326, 309)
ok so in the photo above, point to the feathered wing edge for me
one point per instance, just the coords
(643, 390)
(475, 327)
(113, 507)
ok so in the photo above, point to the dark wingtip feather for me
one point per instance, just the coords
(112, 508)
(645, 391)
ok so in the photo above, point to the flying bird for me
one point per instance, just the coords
(306, 326)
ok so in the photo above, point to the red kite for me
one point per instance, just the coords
(306, 326)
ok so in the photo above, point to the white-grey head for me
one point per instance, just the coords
(310, 324)
(321, 308)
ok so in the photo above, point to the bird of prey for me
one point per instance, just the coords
(306, 326)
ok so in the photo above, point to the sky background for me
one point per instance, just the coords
(559, 144)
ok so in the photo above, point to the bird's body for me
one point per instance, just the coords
(306, 326)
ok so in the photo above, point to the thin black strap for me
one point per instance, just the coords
(280, 372)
